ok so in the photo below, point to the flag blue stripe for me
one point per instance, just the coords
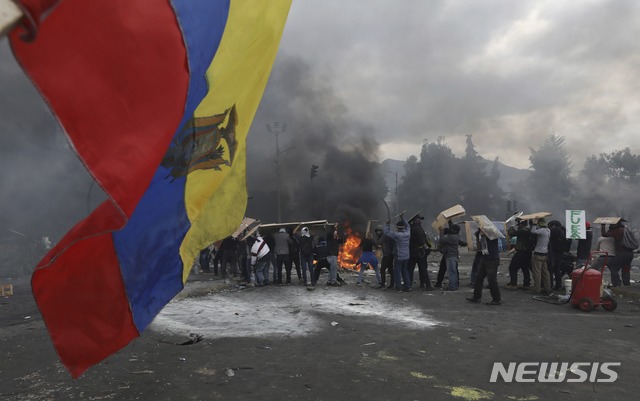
(148, 247)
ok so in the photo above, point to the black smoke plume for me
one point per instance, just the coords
(314, 129)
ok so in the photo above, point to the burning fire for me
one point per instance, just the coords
(349, 251)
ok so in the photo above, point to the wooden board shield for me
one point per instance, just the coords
(535, 216)
(246, 222)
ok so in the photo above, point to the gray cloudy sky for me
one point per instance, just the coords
(507, 72)
(370, 80)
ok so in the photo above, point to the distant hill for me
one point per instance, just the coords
(508, 175)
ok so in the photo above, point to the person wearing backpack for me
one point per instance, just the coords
(624, 248)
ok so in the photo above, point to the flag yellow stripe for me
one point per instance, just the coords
(216, 199)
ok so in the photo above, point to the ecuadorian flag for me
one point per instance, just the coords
(156, 97)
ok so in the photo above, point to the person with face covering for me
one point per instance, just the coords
(418, 250)
(306, 243)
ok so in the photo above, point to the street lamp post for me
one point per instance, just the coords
(397, 203)
(312, 174)
(276, 130)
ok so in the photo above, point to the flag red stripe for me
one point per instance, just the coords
(83, 300)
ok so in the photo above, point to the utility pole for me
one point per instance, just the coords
(276, 130)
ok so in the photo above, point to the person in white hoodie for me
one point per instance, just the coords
(259, 259)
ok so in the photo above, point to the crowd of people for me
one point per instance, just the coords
(541, 254)
(261, 260)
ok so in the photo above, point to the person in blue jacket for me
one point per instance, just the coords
(401, 263)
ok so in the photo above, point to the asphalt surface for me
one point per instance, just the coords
(345, 343)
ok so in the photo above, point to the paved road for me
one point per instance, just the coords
(355, 343)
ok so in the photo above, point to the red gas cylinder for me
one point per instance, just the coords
(586, 287)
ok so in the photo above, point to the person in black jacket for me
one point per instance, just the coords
(489, 269)
(477, 259)
(521, 260)
(294, 253)
(368, 258)
(271, 243)
(229, 249)
(320, 254)
(557, 244)
(306, 243)
(584, 247)
(419, 249)
(333, 244)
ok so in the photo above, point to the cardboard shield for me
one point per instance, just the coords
(446, 215)
(487, 227)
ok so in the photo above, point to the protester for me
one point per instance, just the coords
(558, 245)
(541, 278)
(305, 240)
(606, 248)
(401, 263)
(584, 246)
(294, 254)
(271, 242)
(229, 249)
(205, 258)
(477, 259)
(368, 258)
(521, 259)
(244, 261)
(378, 243)
(624, 255)
(419, 249)
(283, 259)
(450, 244)
(217, 259)
(442, 267)
(333, 244)
(320, 254)
(489, 269)
(386, 265)
(259, 260)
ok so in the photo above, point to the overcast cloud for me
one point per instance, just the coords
(375, 79)
(507, 72)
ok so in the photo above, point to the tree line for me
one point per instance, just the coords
(605, 186)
